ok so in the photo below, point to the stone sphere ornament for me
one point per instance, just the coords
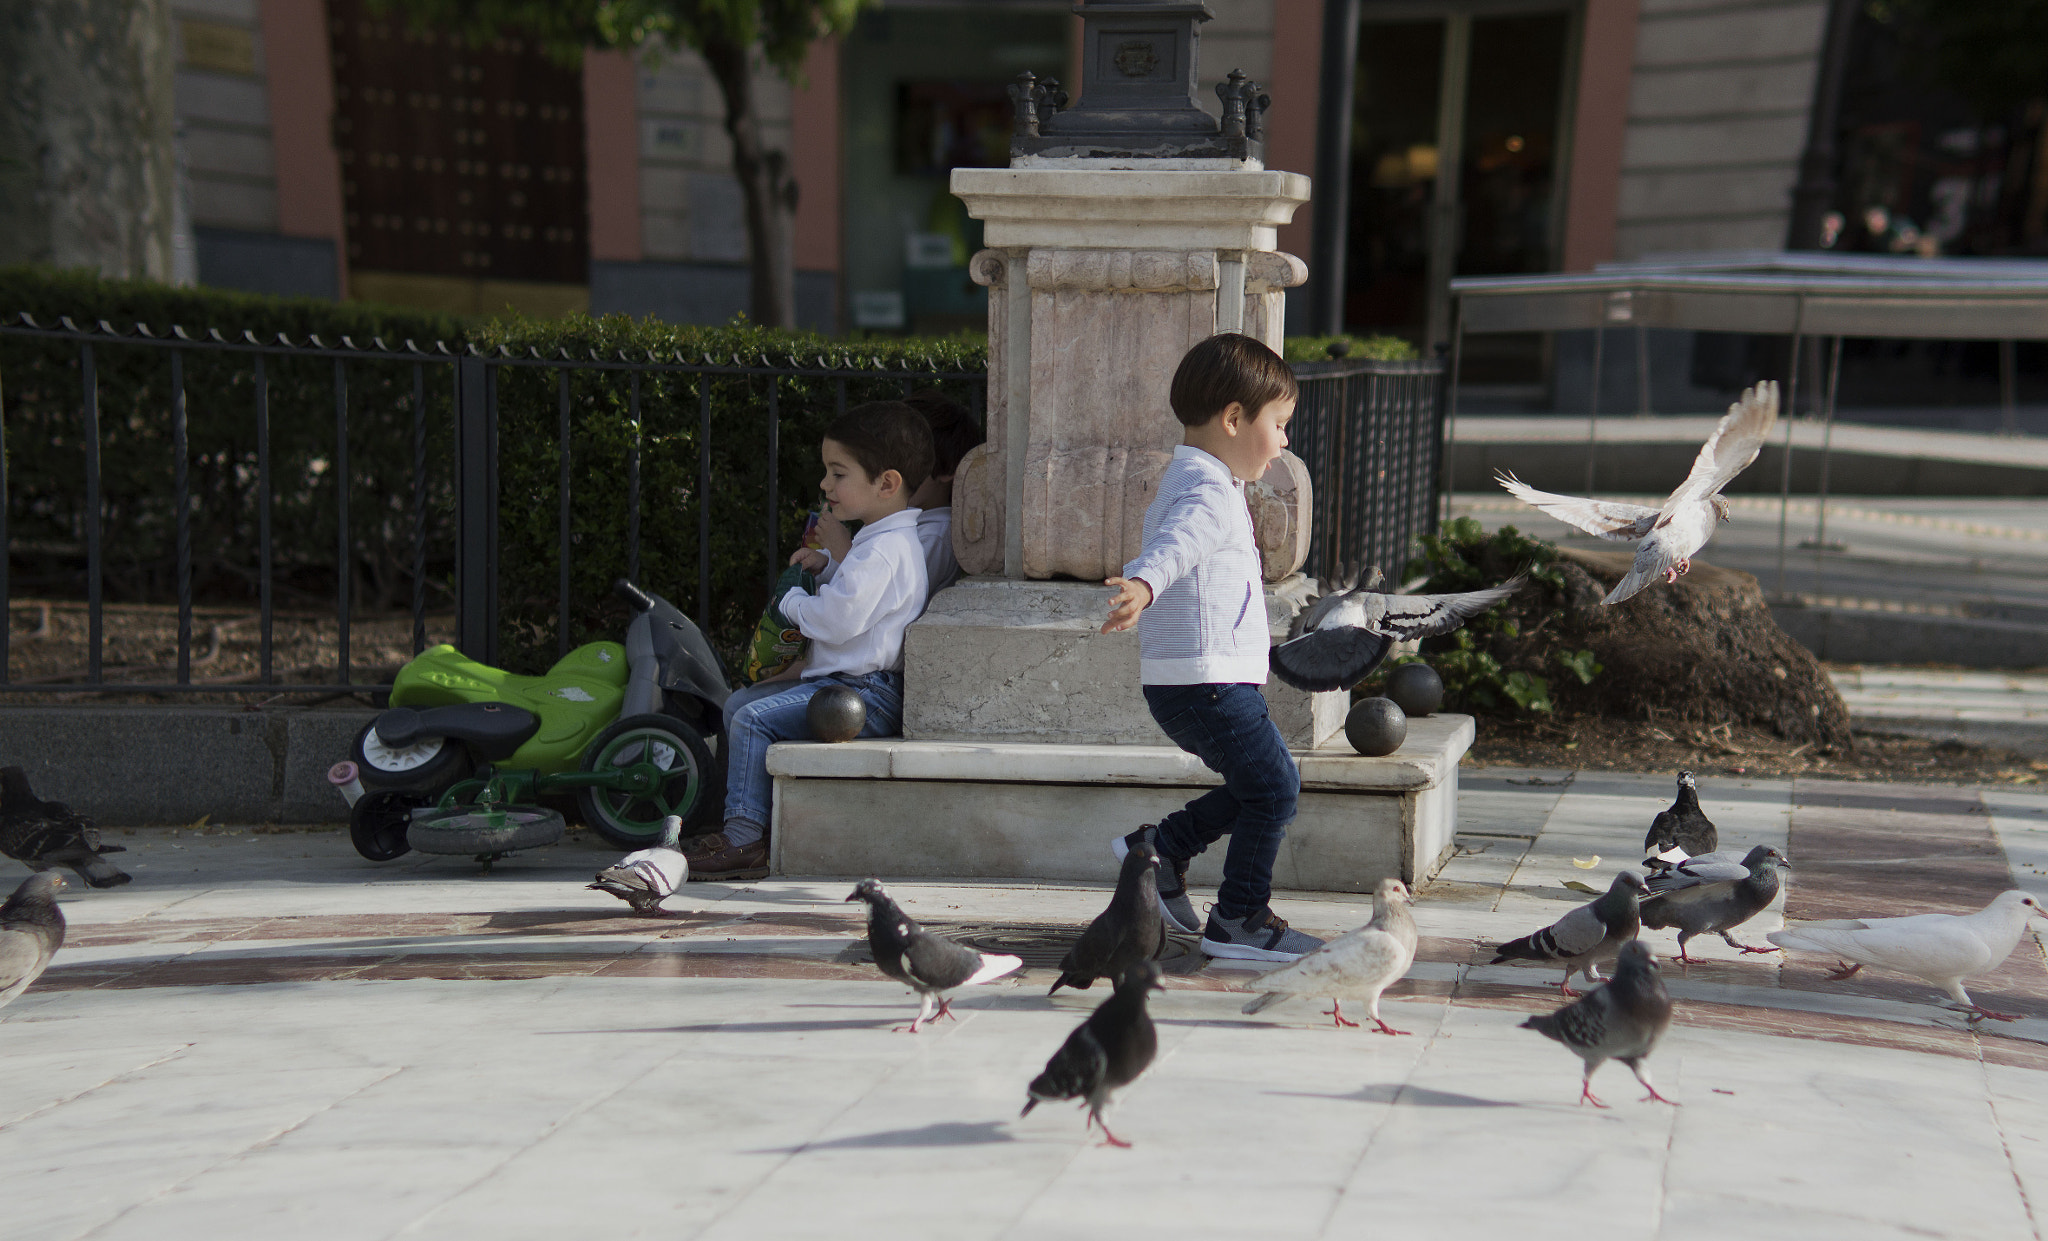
(836, 713)
(1375, 727)
(1416, 689)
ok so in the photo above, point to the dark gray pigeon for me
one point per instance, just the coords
(1684, 827)
(1344, 635)
(31, 931)
(1621, 1020)
(1716, 898)
(43, 834)
(1105, 1052)
(928, 964)
(1586, 936)
(646, 877)
(1127, 932)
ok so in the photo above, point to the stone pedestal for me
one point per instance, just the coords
(997, 660)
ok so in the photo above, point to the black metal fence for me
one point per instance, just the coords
(395, 472)
(1371, 433)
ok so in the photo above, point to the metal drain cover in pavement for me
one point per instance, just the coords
(1041, 945)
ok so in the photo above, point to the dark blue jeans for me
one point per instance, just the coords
(1226, 726)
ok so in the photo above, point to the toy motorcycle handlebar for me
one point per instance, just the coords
(640, 599)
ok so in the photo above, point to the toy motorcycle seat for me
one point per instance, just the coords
(493, 730)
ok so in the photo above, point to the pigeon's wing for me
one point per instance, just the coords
(1363, 960)
(1578, 932)
(938, 962)
(1075, 1070)
(627, 878)
(1691, 874)
(1314, 615)
(1948, 949)
(21, 959)
(1734, 444)
(1330, 659)
(1584, 1025)
(1690, 905)
(1676, 539)
(1420, 616)
(1606, 518)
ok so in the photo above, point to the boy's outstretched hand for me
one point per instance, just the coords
(1132, 597)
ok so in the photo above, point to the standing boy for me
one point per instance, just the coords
(1195, 592)
(876, 455)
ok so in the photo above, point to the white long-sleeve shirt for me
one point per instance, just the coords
(1207, 622)
(935, 531)
(856, 620)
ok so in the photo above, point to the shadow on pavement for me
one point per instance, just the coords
(1400, 1095)
(944, 1133)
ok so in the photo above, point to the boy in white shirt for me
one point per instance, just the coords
(1195, 594)
(954, 431)
(876, 456)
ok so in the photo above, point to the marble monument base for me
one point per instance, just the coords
(1007, 810)
(1021, 661)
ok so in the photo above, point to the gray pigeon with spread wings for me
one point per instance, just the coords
(1586, 936)
(1667, 537)
(1621, 1020)
(645, 878)
(1345, 634)
(928, 964)
(1358, 965)
(31, 931)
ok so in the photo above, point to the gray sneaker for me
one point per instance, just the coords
(1174, 905)
(1261, 936)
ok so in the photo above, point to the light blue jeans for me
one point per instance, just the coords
(760, 716)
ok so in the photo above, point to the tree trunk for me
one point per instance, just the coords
(766, 184)
(87, 165)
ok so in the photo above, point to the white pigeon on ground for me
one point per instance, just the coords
(646, 877)
(1672, 534)
(31, 931)
(1357, 965)
(1344, 635)
(1942, 949)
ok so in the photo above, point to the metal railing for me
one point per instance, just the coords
(1371, 434)
(451, 389)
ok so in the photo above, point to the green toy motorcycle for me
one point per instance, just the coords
(465, 751)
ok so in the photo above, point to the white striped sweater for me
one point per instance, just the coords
(1207, 623)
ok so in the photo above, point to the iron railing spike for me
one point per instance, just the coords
(312, 337)
(214, 334)
(109, 328)
(179, 332)
(68, 324)
(28, 319)
(142, 330)
(250, 336)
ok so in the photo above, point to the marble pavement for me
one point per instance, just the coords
(265, 1036)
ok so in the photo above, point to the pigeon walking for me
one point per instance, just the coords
(928, 964)
(645, 878)
(1621, 1020)
(1586, 936)
(1684, 827)
(1699, 899)
(1670, 535)
(1344, 635)
(1105, 1052)
(1129, 931)
(1357, 965)
(1942, 949)
(31, 931)
(46, 833)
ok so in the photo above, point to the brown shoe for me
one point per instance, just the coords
(730, 862)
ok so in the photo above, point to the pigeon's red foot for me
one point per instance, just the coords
(1384, 1028)
(1844, 970)
(1586, 1096)
(1684, 567)
(1109, 1139)
(1978, 1014)
(1654, 1097)
(1565, 989)
(1753, 948)
(1336, 1014)
(945, 1010)
(911, 1028)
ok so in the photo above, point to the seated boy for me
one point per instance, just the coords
(954, 431)
(876, 456)
(1195, 594)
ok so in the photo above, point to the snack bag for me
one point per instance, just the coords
(777, 644)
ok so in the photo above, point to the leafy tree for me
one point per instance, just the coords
(727, 33)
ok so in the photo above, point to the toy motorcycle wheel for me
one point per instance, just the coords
(430, 764)
(485, 833)
(378, 822)
(631, 817)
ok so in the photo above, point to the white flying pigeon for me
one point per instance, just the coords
(647, 877)
(928, 964)
(1943, 949)
(31, 931)
(1621, 1020)
(1358, 965)
(1346, 634)
(1670, 535)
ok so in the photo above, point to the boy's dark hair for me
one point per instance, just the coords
(886, 435)
(1228, 367)
(954, 430)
